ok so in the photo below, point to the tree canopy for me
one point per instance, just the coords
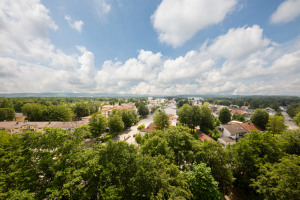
(260, 118)
(161, 119)
(225, 115)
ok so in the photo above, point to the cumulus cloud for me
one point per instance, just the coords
(242, 61)
(286, 11)
(77, 25)
(176, 21)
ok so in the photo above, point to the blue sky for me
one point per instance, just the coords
(164, 47)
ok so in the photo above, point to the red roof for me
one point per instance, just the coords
(203, 137)
(237, 112)
(250, 126)
(149, 129)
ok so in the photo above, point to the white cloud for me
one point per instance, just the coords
(176, 21)
(102, 7)
(286, 11)
(77, 25)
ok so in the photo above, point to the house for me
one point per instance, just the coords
(226, 140)
(170, 111)
(19, 117)
(173, 119)
(233, 130)
(203, 136)
(19, 127)
(250, 126)
(107, 110)
(270, 111)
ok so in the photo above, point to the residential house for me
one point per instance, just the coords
(107, 110)
(173, 120)
(226, 140)
(19, 117)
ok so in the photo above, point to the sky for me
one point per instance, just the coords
(154, 47)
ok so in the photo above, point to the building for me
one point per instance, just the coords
(107, 110)
(149, 128)
(226, 140)
(20, 127)
(19, 117)
(173, 120)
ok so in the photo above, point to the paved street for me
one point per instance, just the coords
(133, 130)
(289, 122)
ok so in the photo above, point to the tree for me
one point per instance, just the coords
(257, 148)
(143, 110)
(129, 117)
(225, 115)
(58, 113)
(98, 124)
(161, 119)
(207, 119)
(290, 141)
(115, 123)
(184, 113)
(280, 180)
(33, 111)
(81, 110)
(7, 114)
(260, 118)
(201, 182)
(140, 127)
(276, 124)
(297, 119)
(215, 157)
(238, 117)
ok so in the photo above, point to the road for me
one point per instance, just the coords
(289, 122)
(133, 130)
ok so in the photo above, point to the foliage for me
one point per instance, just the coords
(182, 149)
(260, 118)
(98, 124)
(58, 113)
(138, 138)
(293, 109)
(7, 114)
(290, 141)
(129, 117)
(33, 111)
(276, 124)
(207, 119)
(140, 127)
(115, 123)
(297, 119)
(280, 180)
(182, 102)
(201, 182)
(161, 119)
(81, 110)
(142, 109)
(238, 117)
(225, 115)
(249, 153)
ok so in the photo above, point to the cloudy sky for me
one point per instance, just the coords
(165, 47)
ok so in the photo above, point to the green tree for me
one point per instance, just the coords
(7, 114)
(238, 117)
(249, 153)
(58, 113)
(297, 119)
(81, 110)
(280, 180)
(143, 110)
(276, 124)
(217, 158)
(33, 111)
(201, 182)
(207, 119)
(140, 127)
(98, 124)
(184, 113)
(115, 123)
(260, 118)
(161, 119)
(225, 115)
(290, 141)
(129, 117)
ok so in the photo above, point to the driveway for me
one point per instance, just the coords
(133, 130)
(289, 121)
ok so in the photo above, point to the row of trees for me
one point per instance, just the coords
(170, 164)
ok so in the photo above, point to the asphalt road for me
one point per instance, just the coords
(132, 131)
(289, 122)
